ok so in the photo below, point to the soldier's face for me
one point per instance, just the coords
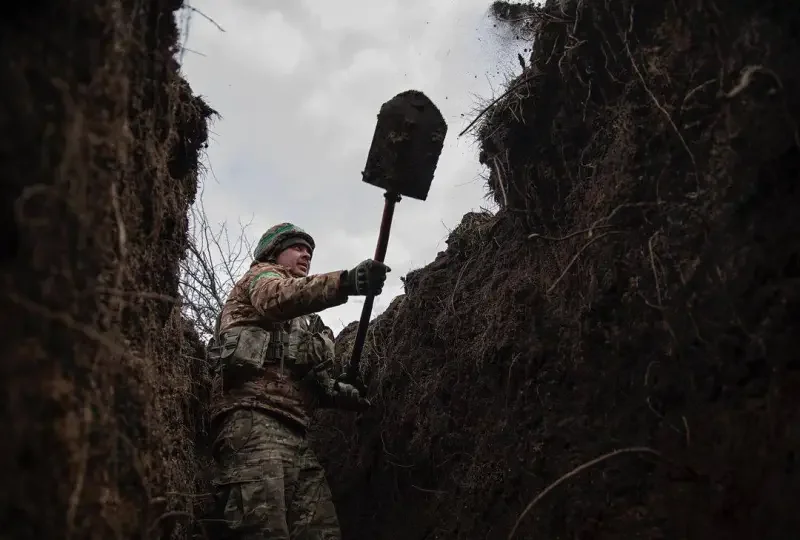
(296, 258)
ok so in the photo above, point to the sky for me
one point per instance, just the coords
(298, 86)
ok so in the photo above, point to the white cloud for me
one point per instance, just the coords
(364, 16)
(264, 40)
(299, 85)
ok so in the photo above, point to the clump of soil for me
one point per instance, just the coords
(638, 291)
(519, 16)
(100, 138)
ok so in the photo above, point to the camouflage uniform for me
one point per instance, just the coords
(275, 358)
(270, 484)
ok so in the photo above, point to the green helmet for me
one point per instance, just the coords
(280, 237)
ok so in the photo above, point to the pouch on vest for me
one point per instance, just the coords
(244, 348)
(213, 351)
(309, 350)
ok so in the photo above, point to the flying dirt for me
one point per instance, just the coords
(610, 355)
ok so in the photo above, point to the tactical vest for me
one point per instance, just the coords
(248, 349)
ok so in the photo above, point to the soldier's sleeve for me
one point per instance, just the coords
(279, 297)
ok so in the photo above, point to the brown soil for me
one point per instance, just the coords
(640, 288)
(99, 137)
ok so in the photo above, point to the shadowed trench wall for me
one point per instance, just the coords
(638, 291)
(100, 137)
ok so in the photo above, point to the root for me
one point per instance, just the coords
(524, 80)
(659, 106)
(592, 463)
(575, 258)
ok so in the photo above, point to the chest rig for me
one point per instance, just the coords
(286, 343)
(248, 348)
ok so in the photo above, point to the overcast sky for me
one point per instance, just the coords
(298, 86)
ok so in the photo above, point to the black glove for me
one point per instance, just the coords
(335, 394)
(366, 279)
(346, 396)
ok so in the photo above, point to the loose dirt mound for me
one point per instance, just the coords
(100, 139)
(639, 290)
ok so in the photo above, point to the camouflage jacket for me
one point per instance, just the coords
(269, 339)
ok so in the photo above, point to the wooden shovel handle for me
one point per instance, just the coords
(366, 312)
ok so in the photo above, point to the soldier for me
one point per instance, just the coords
(276, 361)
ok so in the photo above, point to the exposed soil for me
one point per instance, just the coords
(640, 289)
(99, 137)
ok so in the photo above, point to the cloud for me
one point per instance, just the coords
(299, 85)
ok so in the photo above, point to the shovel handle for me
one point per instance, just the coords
(380, 254)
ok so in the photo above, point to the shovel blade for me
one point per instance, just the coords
(406, 146)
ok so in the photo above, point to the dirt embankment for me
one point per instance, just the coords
(100, 139)
(639, 290)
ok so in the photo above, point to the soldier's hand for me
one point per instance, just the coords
(366, 279)
(347, 396)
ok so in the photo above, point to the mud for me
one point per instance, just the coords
(638, 293)
(99, 137)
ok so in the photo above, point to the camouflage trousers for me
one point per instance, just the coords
(269, 484)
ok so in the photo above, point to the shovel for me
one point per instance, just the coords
(408, 140)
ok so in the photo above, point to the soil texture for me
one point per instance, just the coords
(99, 137)
(613, 354)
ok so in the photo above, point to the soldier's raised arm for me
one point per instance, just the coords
(278, 284)
(279, 297)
